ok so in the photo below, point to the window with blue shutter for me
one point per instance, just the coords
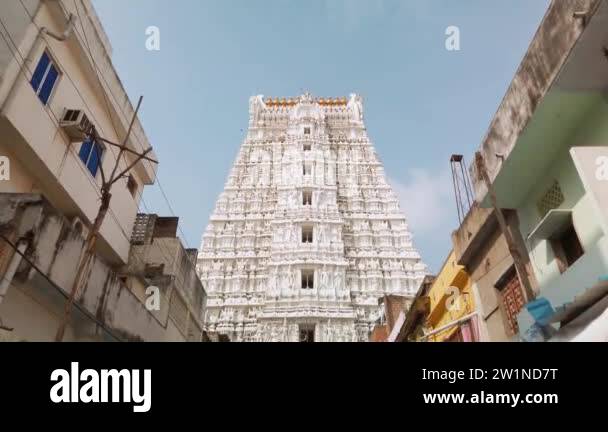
(44, 78)
(40, 71)
(49, 84)
(91, 154)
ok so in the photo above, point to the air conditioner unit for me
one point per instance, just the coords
(76, 124)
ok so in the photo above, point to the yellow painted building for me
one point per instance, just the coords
(451, 301)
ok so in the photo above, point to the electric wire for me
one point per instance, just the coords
(100, 77)
(55, 286)
(56, 120)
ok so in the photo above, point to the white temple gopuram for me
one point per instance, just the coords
(307, 235)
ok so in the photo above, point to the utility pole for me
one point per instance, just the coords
(520, 267)
(106, 196)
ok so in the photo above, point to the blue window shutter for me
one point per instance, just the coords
(93, 164)
(43, 65)
(49, 83)
(85, 151)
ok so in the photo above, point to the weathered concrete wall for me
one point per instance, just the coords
(549, 50)
(556, 286)
(556, 101)
(33, 307)
(486, 266)
(481, 248)
(393, 306)
(168, 254)
(175, 275)
(16, 20)
(472, 233)
(45, 159)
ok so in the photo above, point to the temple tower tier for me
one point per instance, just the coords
(307, 235)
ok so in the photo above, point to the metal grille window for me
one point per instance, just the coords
(143, 229)
(552, 199)
(71, 115)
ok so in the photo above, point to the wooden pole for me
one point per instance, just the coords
(520, 267)
(106, 196)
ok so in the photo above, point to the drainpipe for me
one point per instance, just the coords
(66, 34)
(28, 58)
(12, 268)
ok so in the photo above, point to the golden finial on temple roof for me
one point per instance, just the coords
(289, 102)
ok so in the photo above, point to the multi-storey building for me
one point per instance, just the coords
(56, 81)
(307, 235)
(453, 312)
(57, 72)
(481, 248)
(546, 155)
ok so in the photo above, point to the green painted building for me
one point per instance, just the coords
(545, 151)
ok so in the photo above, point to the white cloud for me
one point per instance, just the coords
(426, 199)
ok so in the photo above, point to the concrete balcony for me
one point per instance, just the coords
(39, 280)
(478, 224)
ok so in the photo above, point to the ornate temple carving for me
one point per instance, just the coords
(307, 234)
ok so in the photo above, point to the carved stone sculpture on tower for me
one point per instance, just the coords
(262, 284)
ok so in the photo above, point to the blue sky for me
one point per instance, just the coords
(422, 102)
